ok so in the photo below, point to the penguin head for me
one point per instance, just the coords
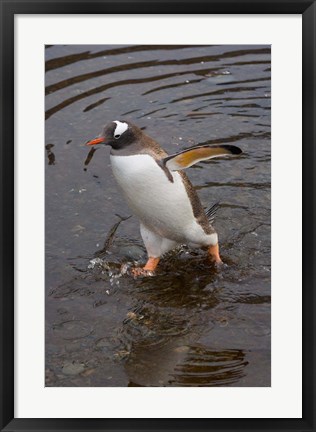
(118, 134)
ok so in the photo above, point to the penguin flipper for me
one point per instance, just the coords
(211, 212)
(187, 158)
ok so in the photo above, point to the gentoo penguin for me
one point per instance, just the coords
(159, 193)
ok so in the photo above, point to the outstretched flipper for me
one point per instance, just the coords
(187, 158)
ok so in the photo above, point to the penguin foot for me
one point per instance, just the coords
(214, 254)
(139, 271)
(149, 268)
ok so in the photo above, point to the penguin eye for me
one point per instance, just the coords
(120, 128)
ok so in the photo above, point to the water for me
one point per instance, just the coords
(191, 324)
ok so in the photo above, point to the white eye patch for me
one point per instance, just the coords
(120, 128)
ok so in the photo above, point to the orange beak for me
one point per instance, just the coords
(95, 141)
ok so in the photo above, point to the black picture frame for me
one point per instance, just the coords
(8, 9)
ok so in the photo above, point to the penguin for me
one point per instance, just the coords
(159, 193)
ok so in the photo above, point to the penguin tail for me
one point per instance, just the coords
(211, 212)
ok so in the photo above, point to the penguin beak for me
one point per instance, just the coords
(97, 140)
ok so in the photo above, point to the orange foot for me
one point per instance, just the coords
(214, 254)
(149, 268)
(139, 271)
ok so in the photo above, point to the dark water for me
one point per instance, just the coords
(191, 324)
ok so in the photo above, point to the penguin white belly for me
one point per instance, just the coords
(164, 207)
